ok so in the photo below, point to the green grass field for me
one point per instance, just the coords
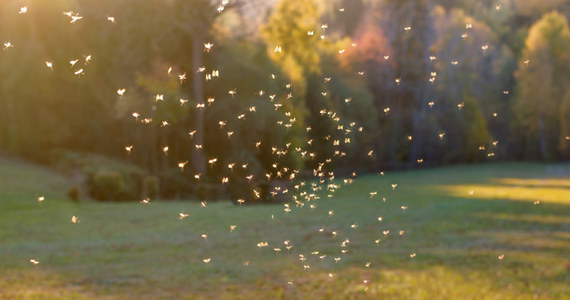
(458, 221)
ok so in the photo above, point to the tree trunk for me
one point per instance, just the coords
(542, 139)
(153, 153)
(198, 158)
(418, 115)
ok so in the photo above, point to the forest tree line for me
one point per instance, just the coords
(185, 91)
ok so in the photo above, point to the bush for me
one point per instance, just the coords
(278, 187)
(107, 186)
(107, 179)
(175, 184)
(209, 191)
(240, 189)
(151, 186)
(73, 194)
(258, 192)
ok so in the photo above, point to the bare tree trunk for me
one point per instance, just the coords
(198, 158)
(418, 115)
(153, 153)
(542, 139)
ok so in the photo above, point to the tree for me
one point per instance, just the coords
(409, 29)
(195, 19)
(469, 69)
(565, 126)
(542, 83)
(296, 52)
(288, 40)
(369, 56)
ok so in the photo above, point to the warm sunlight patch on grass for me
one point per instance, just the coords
(550, 191)
(38, 284)
(557, 183)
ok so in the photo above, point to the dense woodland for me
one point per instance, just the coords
(184, 98)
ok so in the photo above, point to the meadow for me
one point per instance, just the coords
(490, 231)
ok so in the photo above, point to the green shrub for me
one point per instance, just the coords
(73, 194)
(209, 191)
(254, 192)
(107, 186)
(239, 188)
(151, 186)
(277, 187)
(107, 179)
(175, 184)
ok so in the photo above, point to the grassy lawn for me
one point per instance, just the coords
(458, 222)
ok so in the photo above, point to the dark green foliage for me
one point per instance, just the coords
(564, 140)
(543, 81)
(106, 186)
(151, 187)
(175, 184)
(338, 90)
(73, 194)
(209, 191)
(107, 179)
(465, 131)
(242, 189)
